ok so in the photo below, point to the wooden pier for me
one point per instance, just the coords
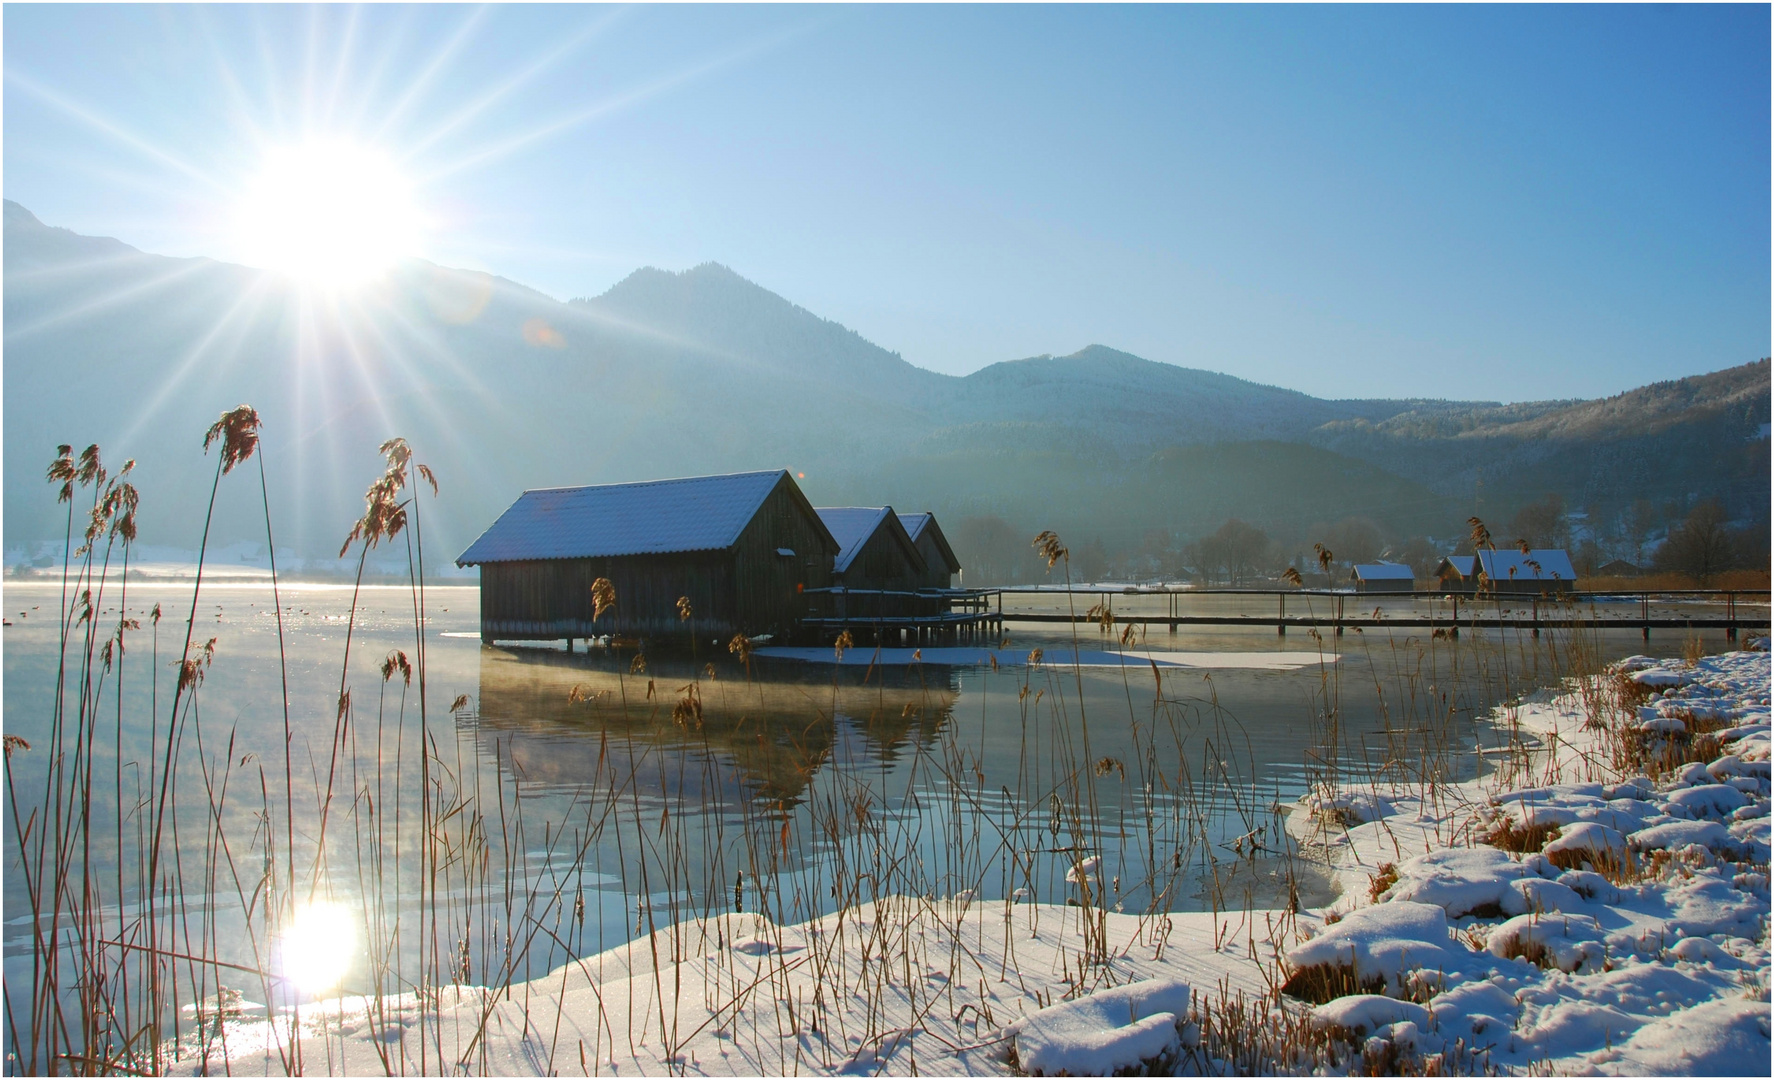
(909, 617)
(1331, 610)
(952, 616)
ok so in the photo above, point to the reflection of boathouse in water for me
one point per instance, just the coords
(557, 719)
(747, 551)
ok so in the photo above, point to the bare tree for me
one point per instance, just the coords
(1542, 524)
(991, 551)
(1355, 540)
(1701, 545)
(1640, 520)
(1237, 549)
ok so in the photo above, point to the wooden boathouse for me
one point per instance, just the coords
(747, 549)
(1511, 573)
(940, 564)
(874, 549)
(893, 583)
(1382, 577)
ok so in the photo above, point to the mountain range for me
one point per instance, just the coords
(501, 388)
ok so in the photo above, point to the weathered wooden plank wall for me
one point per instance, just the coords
(750, 589)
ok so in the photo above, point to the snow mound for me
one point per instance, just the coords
(1717, 1038)
(1103, 1032)
(1571, 943)
(1663, 677)
(1349, 807)
(1362, 1014)
(1706, 800)
(1537, 894)
(1679, 834)
(1381, 945)
(1462, 882)
(1591, 886)
(1586, 841)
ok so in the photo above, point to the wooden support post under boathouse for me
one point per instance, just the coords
(746, 549)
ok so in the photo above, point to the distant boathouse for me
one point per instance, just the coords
(1386, 577)
(745, 548)
(1509, 572)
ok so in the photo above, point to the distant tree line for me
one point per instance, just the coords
(1698, 540)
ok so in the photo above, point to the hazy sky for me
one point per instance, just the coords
(1497, 202)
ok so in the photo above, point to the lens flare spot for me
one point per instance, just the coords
(538, 332)
(318, 947)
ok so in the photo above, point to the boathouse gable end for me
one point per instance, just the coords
(940, 562)
(875, 551)
(741, 547)
(784, 551)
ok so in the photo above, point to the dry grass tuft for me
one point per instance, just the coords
(1617, 868)
(1511, 835)
(1380, 882)
(1320, 983)
(1693, 648)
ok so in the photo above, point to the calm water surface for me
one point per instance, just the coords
(612, 794)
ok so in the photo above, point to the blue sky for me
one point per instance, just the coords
(1498, 202)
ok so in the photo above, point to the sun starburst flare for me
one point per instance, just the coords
(330, 213)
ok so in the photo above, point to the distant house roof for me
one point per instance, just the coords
(915, 526)
(1619, 568)
(1540, 564)
(1463, 565)
(852, 526)
(654, 517)
(1382, 571)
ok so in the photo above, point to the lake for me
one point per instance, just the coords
(573, 801)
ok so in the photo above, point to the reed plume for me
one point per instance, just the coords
(238, 431)
(603, 598)
(1047, 545)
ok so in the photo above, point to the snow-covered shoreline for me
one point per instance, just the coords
(1566, 914)
(1570, 915)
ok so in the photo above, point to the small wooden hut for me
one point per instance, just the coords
(1457, 573)
(743, 548)
(940, 563)
(1538, 571)
(1382, 577)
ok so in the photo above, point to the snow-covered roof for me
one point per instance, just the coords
(852, 526)
(654, 517)
(916, 524)
(1383, 571)
(1461, 564)
(1540, 564)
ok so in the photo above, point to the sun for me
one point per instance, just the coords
(330, 213)
(318, 947)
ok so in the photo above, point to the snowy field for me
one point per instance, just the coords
(1597, 904)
